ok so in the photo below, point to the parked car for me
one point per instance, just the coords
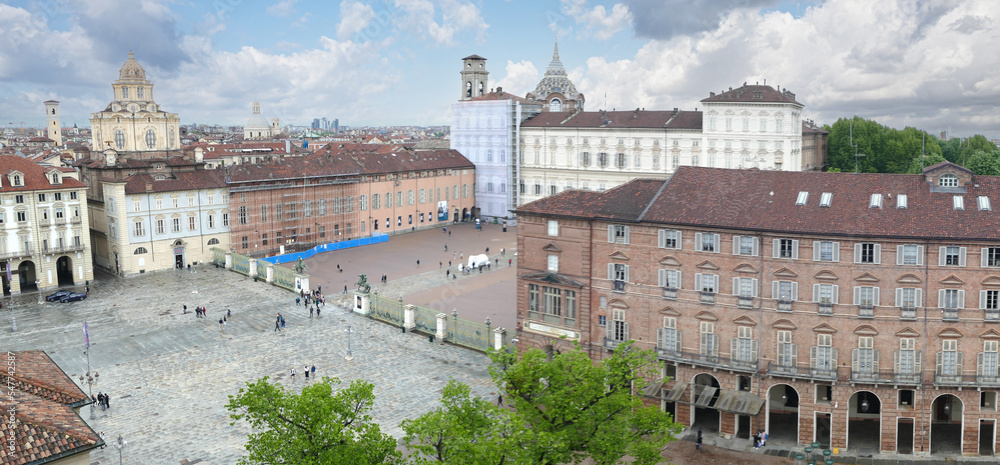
(73, 297)
(58, 295)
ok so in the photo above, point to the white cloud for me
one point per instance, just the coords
(520, 79)
(457, 16)
(354, 18)
(598, 21)
(282, 9)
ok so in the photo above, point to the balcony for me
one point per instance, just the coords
(825, 308)
(908, 313)
(62, 249)
(75, 219)
(802, 372)
(744, 302)
(949, 314)
(670, 293)
(612, 344)
(707, 297)
(884, 377)
(618, 286)
(17, 253)
(784, 305)
(948, 379)
(866, 311)
(992, 315)
(988, 380)
(711, 361)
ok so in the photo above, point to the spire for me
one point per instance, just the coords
(555, 63)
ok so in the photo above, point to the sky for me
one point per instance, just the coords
(931, 64)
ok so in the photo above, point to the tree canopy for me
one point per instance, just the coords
(318, 426)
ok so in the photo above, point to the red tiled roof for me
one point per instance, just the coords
(501, 95)
(812, 129)
(618, 119)
(180, 181)
(473, 57)
(34, 176)
(753, 94)
(39, 375)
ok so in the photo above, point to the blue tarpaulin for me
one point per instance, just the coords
(291, 257)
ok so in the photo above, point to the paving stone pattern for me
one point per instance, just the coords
(169, 374)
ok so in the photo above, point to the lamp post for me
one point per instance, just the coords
(91, 379)
(120, 445)
(349, 356)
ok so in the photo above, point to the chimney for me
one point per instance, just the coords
(149, 185)
(199, 155)
(711, 94)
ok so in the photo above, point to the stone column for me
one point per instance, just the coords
(499, 338)
(253, 268)
(229, 260)
(270, 273)
(727, 424)
(303, 281)
(409, 317)
(361, 303)
(442, 326)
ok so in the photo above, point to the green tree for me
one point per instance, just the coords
(886, 150)
(319, 426)
(984, 162)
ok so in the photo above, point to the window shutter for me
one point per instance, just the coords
(680, 239)
(753, 350)
(705, 341)
(611, 234)
(678, 341)
(899, 255)
(697, 242)
(795, 291)
(661, 338)
(920, 255)
(815, 292)
(736, 286)
(876, 292)
(917, 361)
(626, 274)
(857, 253)
(775, 248)
(833, 358)
(836, 251)
(628, 236)
(875, 361)
(979, 363)
(680, 282)
(878, 254)
(611, 271)
(857, 295)
(854, 360)
(756, 246)
(899, 297)
(812, 356)
(815, 251)
(940, 298)
(662, 278)
(836, 294)
(941, 256)
(753, 284)
(961, 255)
(661, 239)
(718, 243)
(733, 349)
(939, 364)
(983, 256)
(795, 250)
(982, 300)
(774, 290)
(626, 338)
(736, 245)
(895, 362)
(697, 282)
(794, 354)
(961, 298)
(920, 298)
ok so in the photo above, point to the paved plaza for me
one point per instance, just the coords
(169, 374)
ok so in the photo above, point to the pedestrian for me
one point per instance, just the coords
(699, 440)
(447, 274)
(317, 309)
(454, 256)
(319, 290)
(497, 261)
(444, 229)
(461, 255)
(293, 373)
(277, 325)
(220, 323)
(501, 251)
(510, 262)
(418, 262)
(314, 371)
(107, 401)
(310, 312)
(185, 309)
(446, 247)
(500, 400)
(449, 233)
(345, 289)
(229, 313)
(440, 265)
(282, 322)
(306, 369)
(449, 263)
(297, 301)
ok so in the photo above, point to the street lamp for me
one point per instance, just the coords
(91, 380)
(349, 356)
(120, 445)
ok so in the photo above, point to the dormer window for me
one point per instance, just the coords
(984, 203)
(948, 180)
(825, 199)
(17, 180)
(55, 178)
(901, 201)
(876, 201)
(958, 202)
(802, 198)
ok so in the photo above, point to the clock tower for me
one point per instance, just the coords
(474, 77)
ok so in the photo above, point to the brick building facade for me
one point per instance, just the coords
(860, 311)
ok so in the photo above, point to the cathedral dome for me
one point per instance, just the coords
(256, 121)
(555, 86)
(131, 70)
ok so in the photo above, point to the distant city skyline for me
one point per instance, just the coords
(396, 62)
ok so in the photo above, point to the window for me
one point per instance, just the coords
(22, 217)
(263, 239)
(958, 202)
(910, 254)
(211, 220)
(952, 256)
(989, 300)
(787, 352)
(868, 253)
(136, 206)
(584, 159)
(802, 198)
(376, 201)
(150, 139)
(619, 328)
(553, 229)
(779, 125)
(785, 248)
(139, 229)
(669, 279)
(951, 299)
(901, 201)
(825, 199)
(602, 160)
(823, 356)
(746, 290)
(241, 214)
(139, 91)
(706, 242)
(176, 225)
(307, 207)
(866, 298)
(825, 294)
(18, 198)
(948, 180)
(667, 337)
(159, 203)
(72, 195)
(704, 282)
(191, 223)
(120, 139)
(669, 239)
(709, 344)
(907, 358)
(745, 245)
(620, 160)
(744, 346)
(987, 363)
(553, 263)
(59, 213)
(41, 197)
(949, 360)
(263, 213)
(826, 251)
(618, 234)
(225, 219)
(984, 203)
(785, 291)
(875, 201)
(124, 92)
(159, 226)
(618, 272)
(908, 299)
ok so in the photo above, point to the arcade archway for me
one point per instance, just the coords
(864, 423)
(782, 421)
(704, 393)
(26, 275)
(947, 412)
(64, 271)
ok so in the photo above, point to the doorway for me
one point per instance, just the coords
(64, 271)
(822, 430)
(947, 413)
(705, 391)
(783, 414)
(904, 435)
(864, 425)
(26, 274)
(987, 437)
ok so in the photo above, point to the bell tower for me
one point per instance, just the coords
(474, 77)
(52, 129)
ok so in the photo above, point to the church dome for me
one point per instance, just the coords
(256, 121)
(131, 70)
(556, 81)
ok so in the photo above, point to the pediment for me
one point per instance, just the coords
(745, 268)
(707, 265)
(826, 275)
(907, 332)
(618, 303)
(991, 281)
(949, 332)
(990, 334)
(551, 247)
(618, 255)
(909, 278)
(670, 261)
(824, 328)
(785, 273)
(706, 316)
(744, 320)
(866, 277)
(952, 280)
(785, 324)
(866, 330)
(669, 311)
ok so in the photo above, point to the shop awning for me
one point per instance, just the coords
(739, 402)
(675, 393)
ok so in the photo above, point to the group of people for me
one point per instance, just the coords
(307, 369)
(199, 312)
(102, 400)
(759, 439)
(279, 323)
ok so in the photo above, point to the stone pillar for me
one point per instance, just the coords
(409, 317)
(442, 327)
(361, 303)
(683, 413)
(229, 260)
(303, 282)
(253, 268)
(270, 273)
(727, 425)
(499, 338)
